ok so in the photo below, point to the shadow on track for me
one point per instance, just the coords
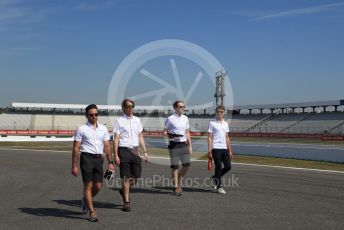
(64, 213)
(164, 190)
(186, 189)
(96, 204)
(145, 190)
(52, 212)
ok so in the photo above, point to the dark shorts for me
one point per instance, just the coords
(179, 152)
(130, 165)
(91, 168)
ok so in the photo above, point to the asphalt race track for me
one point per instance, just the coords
(38, 192)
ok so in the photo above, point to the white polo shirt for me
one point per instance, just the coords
(176, 124)
(128, 129)
(92, 139)
(219, 129)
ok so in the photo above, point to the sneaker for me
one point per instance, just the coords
(126, 207)
(220, 191)
(176, 192)
(93, 217)
(83, 205)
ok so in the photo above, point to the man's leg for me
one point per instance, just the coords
(127, 184)
(174, 175)
(96, 188)
(135, 170)
(88, 187)
(226, 160)
(182, 173)
(124, 168)
(174, 159)
(125, 187)
(218, 165)
(125, 194)
(86, 166)
(185, 159)
(132, 182)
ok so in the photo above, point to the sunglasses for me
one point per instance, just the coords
(219, 111)
(182, 107)
(93, 114)
(129, 106)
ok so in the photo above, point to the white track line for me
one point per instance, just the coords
(245, 164)
(268, 166)
(289, 146)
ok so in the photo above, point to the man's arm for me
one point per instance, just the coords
(188, 138)
(142, 144)
(165, 131)
(210, 145)
(107, 150)
(229, 147)
(75, 158)
(115, 148)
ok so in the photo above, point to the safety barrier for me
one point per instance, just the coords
(325, 137)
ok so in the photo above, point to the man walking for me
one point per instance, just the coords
(128, 138)
(92, 140)
(219, 147)
(180, 148)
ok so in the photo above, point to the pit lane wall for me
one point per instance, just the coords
(294, 152)
(69, 133)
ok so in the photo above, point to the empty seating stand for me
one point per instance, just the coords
(303, 123)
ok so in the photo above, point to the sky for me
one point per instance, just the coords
(67, 51)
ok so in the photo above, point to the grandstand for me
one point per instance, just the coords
(299, 118)
(304, 123)
(245, 122)
(13, 121)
